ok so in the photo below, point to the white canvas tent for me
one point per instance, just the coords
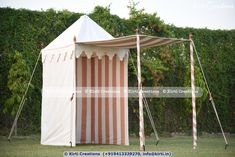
(68, 119)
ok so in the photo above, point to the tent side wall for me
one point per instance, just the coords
(102, 119)
(58, 109)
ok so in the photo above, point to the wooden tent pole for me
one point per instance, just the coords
(141, 115)
(194, 118)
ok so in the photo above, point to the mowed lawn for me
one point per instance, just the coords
(29, 146)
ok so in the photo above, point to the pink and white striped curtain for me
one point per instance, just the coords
(102, 119)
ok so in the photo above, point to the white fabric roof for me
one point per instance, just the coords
(84, 29)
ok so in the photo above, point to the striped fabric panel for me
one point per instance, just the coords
(78, 100)
(130, 42)
(102, 120)
(92, 76)
(84, 101)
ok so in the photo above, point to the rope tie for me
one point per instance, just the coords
(210, 96)
(147, 107)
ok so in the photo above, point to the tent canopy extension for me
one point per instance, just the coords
(130, 42)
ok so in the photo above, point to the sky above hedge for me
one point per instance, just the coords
(212, 14)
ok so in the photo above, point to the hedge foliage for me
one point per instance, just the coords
(28, 31)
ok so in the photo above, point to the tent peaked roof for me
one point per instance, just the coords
(84, 29)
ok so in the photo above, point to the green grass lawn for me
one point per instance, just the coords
(179, 146)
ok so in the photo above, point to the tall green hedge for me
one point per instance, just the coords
(28, 32)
